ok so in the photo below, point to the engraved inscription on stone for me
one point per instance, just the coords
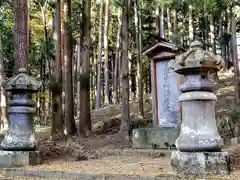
(167, 95)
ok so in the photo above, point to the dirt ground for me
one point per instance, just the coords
(132, 165)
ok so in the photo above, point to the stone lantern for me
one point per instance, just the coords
(199, 144)
(19, 140)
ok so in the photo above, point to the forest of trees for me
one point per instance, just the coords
(88, 54)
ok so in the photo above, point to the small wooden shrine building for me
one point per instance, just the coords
(165, 83)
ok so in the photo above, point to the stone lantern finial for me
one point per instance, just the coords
(196, 60)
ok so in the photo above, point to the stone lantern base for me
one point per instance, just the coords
(19, 158)
(155, 138)
(201, 163)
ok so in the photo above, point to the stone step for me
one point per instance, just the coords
(140, 152)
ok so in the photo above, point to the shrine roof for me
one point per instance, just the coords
(162, 46)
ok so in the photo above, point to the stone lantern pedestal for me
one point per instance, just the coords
(19, 144)
(199, 144)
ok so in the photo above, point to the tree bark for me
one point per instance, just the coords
(125, 122)
(175, 20)
(70, 125)
(169, 24)
(235, 61)
(212, 35)
(161, 30)
(20, 9)
(190, 23)
(85, 116)
(106, 61)
(57, 121)
(117, 58)
(79, 63)
(3, 100)
(138, 26)
(99, 64)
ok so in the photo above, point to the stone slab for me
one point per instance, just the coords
(19, 158)
(201, 163)
(157, 138)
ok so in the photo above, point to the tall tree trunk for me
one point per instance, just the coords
(157, 16)
(138, 26)
(69, 104)
(28, 27)
(235, 60)
(175, 20)
(117, 58)
(161, 30)
(169, 24)
(190, 23)
(85, 116)
(45, 63)
(125, 128)
(57, 117)
(212, 35)
(99, 64)
(106, 61)
(20, 9)
(79, 62)
(3, 112)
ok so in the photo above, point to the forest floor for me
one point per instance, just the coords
(104, 152)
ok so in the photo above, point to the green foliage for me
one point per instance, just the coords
(7, 45)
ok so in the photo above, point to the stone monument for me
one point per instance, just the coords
(19, 144)
(165, 92)
(199, 145)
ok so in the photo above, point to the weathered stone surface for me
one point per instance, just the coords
(197, 60)
(140, 138)
(167, 95)
(163, 137)
(198, 130)
(200, 163)
(158, 138)
(22, 81)
(19, 158)
(21, 109)
(199, 143)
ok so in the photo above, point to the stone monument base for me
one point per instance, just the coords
(19, 158)
(154, 138)
(201, 163)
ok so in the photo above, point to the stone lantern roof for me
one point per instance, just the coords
(22, 81)
(196, 60)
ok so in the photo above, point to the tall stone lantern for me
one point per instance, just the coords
(19, 143)
(199, 145)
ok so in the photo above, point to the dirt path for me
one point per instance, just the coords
(131, 165)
